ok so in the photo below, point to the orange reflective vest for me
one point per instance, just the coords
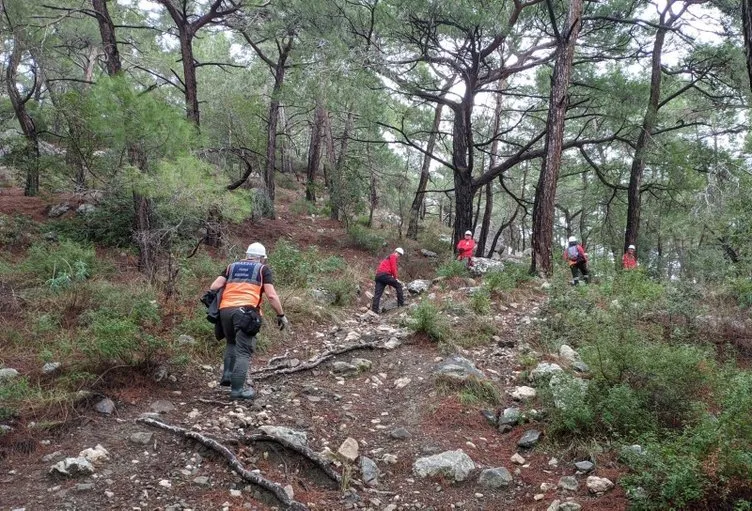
(245, 285)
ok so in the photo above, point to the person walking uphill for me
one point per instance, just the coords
(245, 282)
(629, 260)
(386, 275)
(577, 259)
(466, 248)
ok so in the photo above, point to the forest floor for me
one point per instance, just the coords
(394, 410)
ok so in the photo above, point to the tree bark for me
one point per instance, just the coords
(644, 139)
(107, 32)
(462, 160)
(545, 193)
(31, 152)
(747, 23)
(314, 152)
(486, 224)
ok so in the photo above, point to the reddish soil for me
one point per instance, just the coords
(366, 407)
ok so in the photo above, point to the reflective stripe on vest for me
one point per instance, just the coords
(244, 285)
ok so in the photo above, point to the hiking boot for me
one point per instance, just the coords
(226, 380)
(247, 393)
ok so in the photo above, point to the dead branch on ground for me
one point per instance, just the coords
(285, 368)
(275, 489)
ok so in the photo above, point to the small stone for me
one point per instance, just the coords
(495, 477)
(201, 480)
(84, 486)
(400, 434)
(584, 466)
(164, 483)
(598, 484)
(516, 458)
(568, 483)
(162, 406)
(50, 367)
(524, 393)
(529, 438)
(105, 406)
(539, 497)
(349, 449)
(142, 437)
(235, 493)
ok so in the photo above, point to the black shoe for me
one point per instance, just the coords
(247, 393)
(225, 381)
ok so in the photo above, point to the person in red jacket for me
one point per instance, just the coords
(629, 260)
(466, 248)
(577, 259)
(386, 275)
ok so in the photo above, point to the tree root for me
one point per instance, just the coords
(254, 478)
(304, 451)
(285, 368)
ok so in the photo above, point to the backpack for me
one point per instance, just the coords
(573, 254)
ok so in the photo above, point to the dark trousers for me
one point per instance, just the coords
(580, 268)
(239, 348)
(383, 280)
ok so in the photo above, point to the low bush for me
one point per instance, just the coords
(17, 231)
(452, 268)
(472, 391)
(511, 277)
(366, 239)
(49, 261)
(427, 319)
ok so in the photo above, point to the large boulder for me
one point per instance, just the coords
(455, 465)
(457, 368)
(483, 265)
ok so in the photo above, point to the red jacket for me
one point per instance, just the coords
(388, 265)
(580, 255)
(629, 261)
(465, 248)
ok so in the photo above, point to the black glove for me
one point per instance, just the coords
(208, 297)
(282, 321)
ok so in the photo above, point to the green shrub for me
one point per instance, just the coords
(475, 391)
(118, 340)
(303, 207)
(512, 276)
(17, 230)
(343, 290)
(452, 268)
(109, 224)
(50, 260)
(291, 267)
(137, 301)
(436, 238)
(427, 319)
(740, 289)
(12, 393)
(365, 239)
(480, 301)
(197, 326)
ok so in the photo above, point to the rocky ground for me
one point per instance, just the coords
(398, 439)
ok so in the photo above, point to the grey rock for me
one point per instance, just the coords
(524, 393)
(428, 253)
(51, 456)
(369, 471)
(495, 477)
(72, 467)
(529, 438)
(491, 417)
(567, 353)
(362, 364)
(598, 484)
(570, 505)
(105, 406)
(162, 406)
(392, 343)
(584, 466)
(50, 367)
(295, 437)
(142, 437)
(340, 367)
(568, 483)
(8, 373)
(483, 265)
(580, 367)
(417, 287)
(349, 449)
(510, 416)
(84, 486)
(201, 480)
(456, 465)
(544, 370)
(323, 296)
(58, 210)
(186, 340)
(457, 368)
(400, 434)
(85, 209)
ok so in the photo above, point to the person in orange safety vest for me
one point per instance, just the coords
(243, 284)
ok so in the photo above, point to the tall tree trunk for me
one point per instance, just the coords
(107, 32)
(493, 160)
(420, 196)
(632, 230)
(545, 194)
(462, 159)
(31, 152)
(190, 82)
(314, 152)
(335, 181)
(271, 131)
(747, 23)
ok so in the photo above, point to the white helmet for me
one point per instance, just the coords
(399, 251)
(572, 239)
(256, 250)
(468, 232)
(632, 247)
